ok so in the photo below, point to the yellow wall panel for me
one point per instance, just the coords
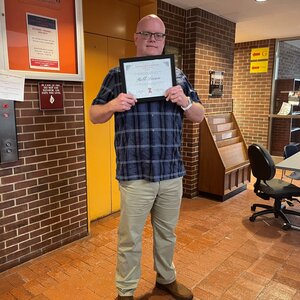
(117, 49)
(148, 8)
(101, 54)
(97, 136)
(109, 26)
(112, 18)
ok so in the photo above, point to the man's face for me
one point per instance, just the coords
(150, 45)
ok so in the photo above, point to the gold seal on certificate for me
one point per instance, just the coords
(147, 78)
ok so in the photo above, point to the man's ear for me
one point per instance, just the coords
(135, 36)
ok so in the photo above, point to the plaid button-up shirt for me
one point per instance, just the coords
(148, 136)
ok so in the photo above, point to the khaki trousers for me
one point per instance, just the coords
(138, 199)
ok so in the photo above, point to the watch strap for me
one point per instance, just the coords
(188, 106)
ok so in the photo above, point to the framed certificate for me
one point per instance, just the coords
(147, 78)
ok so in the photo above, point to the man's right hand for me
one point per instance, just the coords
(101, 113)
(123, 102)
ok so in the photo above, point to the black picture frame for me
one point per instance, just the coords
(142, 63)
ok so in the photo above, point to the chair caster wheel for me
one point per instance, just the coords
(253, 208)
(286, 226)
(252, 219)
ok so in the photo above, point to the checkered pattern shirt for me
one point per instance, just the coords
(148, 136)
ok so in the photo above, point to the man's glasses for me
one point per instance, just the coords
(146, 35)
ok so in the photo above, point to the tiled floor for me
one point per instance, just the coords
(220, 254)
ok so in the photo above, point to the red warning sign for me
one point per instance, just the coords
(51, 95)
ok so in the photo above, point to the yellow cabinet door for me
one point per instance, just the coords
(98, 137)
(117, 49)
(101, 54)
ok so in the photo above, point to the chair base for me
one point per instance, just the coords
(278, 210)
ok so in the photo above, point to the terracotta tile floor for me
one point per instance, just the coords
(220, 254)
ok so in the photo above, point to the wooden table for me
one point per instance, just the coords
(291, 163)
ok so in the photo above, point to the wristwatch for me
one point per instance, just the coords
(189, 105)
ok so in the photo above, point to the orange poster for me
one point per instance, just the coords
(23, 47)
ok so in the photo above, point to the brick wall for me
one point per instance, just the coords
(43, 195)
(252, 92)
(175, 21)
(208, 44)
(289, 62)
(288, 70)
(280, 135)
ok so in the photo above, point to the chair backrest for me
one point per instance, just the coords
(290, 150)
(262, 164)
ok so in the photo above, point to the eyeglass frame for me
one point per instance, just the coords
(142, 33)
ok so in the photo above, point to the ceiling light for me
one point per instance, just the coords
(260, 0)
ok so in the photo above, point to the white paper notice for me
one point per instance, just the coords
(11, 87)
(42, 42)
(285, 109)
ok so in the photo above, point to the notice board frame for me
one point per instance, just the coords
(15, 46)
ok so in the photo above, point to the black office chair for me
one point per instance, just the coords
(266, 187)
(288, 151)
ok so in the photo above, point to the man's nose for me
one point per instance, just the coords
(152, 38)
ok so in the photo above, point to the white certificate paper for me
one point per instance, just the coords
(11, 87)
(148, 78)
(42, 42)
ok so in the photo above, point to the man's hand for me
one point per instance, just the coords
(195, 112)
(123, 102)
(103, 112)
(176, 95)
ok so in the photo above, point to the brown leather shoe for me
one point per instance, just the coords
(177, 290)
(125, 297)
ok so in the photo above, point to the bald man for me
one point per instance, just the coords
(149, 166)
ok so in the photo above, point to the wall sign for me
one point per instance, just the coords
(259, 66)
(51, 95)
(216, 83)
(260, 53)
(42, 39)
(43, 43)
(11, 87)
(259, 60)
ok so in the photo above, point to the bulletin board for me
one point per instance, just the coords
(42, 39)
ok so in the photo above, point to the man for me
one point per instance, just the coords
(149, 165)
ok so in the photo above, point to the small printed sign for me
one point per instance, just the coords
(260, 53)
(42, 42)
(51, 95)
(259, 66)
(216, 83)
